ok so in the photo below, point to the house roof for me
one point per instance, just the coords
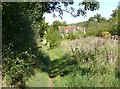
(67, 28)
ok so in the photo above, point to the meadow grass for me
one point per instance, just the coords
(40, 79)
(55, 53)
(81, 78)
(102, 74)
(59, 81)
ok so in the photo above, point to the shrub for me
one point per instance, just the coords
(94, 58)
(62, 66)
(53, 37)
(106, 35)
(20, 69)
(96, 29)
(70, 36)
(95, 72)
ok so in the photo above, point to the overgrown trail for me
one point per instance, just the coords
(50, 81)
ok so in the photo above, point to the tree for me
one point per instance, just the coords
(92, 19)
(113, 22)
(18, 37)
(64, 23)
(115, 13)
(53, 37)
(39, 28)
(96, 28)
(97, 18)
(57, 23)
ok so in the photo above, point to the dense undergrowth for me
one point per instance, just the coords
(91, 66)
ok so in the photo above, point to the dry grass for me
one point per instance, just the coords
(89, 42)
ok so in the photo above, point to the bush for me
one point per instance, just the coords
(53, 37)
(96, 29)
(96, 71)
(19, 68)
(70, 36)
(106, 34)
(62, 66)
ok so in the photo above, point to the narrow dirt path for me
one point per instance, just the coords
(50, 81)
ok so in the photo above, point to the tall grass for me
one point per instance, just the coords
(88, 62)
(96, 63)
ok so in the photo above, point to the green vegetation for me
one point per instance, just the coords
(70, 36)
(55, 53)
(89, 66)
(56, 23)
(40, 79)
(97, 18)
(96, 28)
(53, 37)
(92, 69)
(77, 60)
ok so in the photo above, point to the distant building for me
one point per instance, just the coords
(70, 29)
(67, 29)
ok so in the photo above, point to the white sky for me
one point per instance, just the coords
(106, 7)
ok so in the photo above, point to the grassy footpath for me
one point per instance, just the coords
(40, 79)
(55, 53)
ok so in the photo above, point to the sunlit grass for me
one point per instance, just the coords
(55, 53)
(77, 78)
(40, 79)
(60, 82)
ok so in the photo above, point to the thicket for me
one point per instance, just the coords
(87, 68)
(96, 28)
(71, 36)
(20, 54)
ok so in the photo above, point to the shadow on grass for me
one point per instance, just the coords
(43, 61)
(62, 66)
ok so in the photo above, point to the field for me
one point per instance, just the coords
(84, 62)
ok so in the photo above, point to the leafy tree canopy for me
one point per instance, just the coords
(97, 18)
(57, 23)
